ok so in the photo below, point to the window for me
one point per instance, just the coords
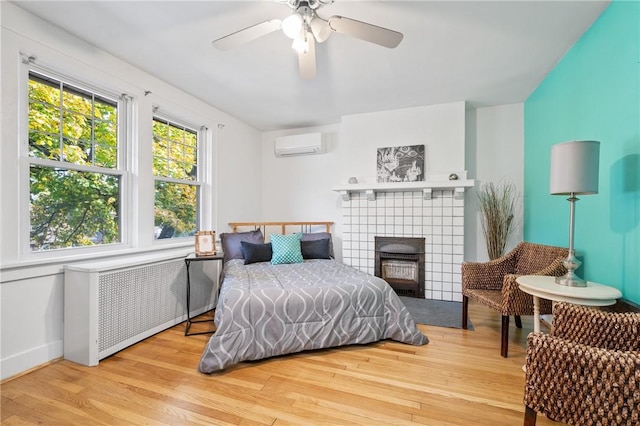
(75, 178)
(177, 188)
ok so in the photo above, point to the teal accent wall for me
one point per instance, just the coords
(593, 93)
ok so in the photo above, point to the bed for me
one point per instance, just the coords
(268, 307)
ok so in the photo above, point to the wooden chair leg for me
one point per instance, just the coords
(504, 345)
(529, 416)
(465, 311)
(518, 321)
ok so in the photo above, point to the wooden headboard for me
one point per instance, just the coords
(284, 227)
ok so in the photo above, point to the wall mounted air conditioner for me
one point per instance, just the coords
(308, 143)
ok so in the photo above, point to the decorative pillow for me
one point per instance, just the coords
(256, 252)
(320, 236)
(286, 248)
(231, 243)
(315, 249)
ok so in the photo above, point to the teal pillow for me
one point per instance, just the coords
(286, 248)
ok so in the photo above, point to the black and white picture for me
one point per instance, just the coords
(401, 164)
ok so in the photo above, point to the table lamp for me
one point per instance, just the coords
(574, 171)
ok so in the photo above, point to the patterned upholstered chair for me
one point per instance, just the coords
(587, 370)
(494, 283)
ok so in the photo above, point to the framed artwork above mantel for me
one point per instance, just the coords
(400, 164)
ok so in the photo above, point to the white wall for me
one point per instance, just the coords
(494, 153)
(439, 127)
(31, 292)
(238, 174)
(300, 188)
(486, 142)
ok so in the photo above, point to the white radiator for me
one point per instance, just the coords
(114, 304)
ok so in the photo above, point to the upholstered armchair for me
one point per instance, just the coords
(493, 283)
(587, 370)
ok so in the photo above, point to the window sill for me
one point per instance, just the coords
(55, 265)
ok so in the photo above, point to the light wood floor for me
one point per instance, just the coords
(459, 378)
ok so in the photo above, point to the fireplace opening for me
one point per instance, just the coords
(400, 262)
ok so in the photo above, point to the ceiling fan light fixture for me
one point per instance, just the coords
(292, 25)
(301, 43)
(305, 28)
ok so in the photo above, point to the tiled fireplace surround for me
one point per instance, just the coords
(440, 220)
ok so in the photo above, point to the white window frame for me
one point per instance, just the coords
(201, 179)
(123, 169)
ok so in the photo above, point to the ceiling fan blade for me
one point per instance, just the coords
(367, 32)
(320, 29)
(247, 34)
(307, 60)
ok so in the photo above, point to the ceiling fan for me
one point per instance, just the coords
(305, 28)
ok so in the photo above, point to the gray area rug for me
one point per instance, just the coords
(440, 313)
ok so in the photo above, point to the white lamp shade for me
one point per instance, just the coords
(574, 168)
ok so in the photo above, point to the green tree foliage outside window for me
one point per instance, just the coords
(72, 206)
(175, 167)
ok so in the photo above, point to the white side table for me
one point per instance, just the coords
(542, 286)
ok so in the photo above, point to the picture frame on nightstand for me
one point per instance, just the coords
(205, 243)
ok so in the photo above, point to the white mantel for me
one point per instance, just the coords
(426, 187)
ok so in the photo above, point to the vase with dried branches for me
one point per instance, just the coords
(497, 204)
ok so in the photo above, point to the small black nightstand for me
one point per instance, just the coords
(187, 260)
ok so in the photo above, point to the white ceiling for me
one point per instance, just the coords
(484, 52)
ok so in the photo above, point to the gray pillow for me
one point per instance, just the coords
(232, 242)
(314, 236)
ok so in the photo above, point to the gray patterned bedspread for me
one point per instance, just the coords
(266, 310)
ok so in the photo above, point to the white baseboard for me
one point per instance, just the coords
(25, 361)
